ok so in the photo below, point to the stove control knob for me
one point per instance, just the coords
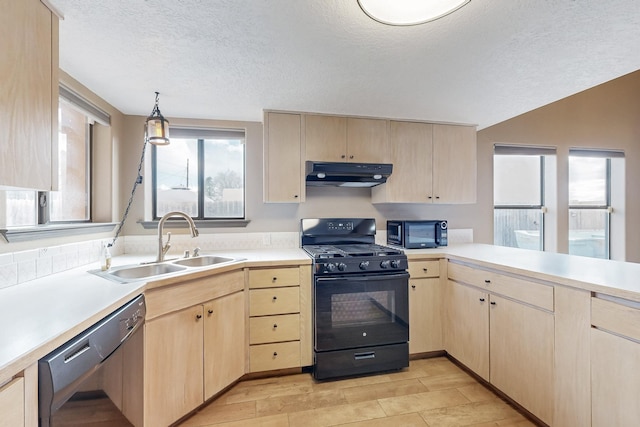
(342, 266)
(395, 263)
(364, 265)
(384, 264)
(330, 267)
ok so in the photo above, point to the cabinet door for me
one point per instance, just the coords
(30, 87)
(366, 140)
(282, 167)
(454, 164)
(173, 366)
(224, 339)
(325, 138)
(467, 327)
(12, 403)
(410, 151)
(522, 355)
(615, 381)
(425, 317)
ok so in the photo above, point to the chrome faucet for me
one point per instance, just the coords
(162, 249)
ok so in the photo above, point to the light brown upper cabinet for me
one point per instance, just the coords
(283, 167)
(29, 105)
(432, 163)
(345, 139)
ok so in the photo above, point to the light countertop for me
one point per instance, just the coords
(38, 316)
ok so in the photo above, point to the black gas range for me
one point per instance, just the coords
(355, 258)
(360, 298)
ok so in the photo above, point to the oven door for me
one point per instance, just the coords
(360, 311)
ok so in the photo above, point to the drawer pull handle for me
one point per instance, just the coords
(274, 279)
(367, 355)
(275, 354)
(425, 269)
(492, 303)
(198, 316)
(481, 299)
(413, 286)
(210, 311)
(275, 298)
(275, 326)
(487, 281)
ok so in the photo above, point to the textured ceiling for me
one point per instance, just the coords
(230, 59)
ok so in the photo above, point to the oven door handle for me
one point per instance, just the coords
(368, 278)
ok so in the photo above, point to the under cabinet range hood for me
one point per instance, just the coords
(342, 174)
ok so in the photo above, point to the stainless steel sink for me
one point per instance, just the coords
(139, 272)
(203, 261)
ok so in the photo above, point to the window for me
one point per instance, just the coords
(201, 172)
(590, 202)
(518, 194)
(71, 201)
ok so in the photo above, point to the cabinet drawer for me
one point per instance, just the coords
(267, 357)
(274, 277)
(419, 269)
(271, 329)
(264, 302)
(519, 289)
(615, 317)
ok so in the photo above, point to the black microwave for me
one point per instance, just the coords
(417, 234)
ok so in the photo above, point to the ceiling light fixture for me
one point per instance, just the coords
(409, 12)
(157, 126)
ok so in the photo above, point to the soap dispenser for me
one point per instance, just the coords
(105, 257)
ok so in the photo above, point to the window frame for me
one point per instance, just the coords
(200, 135)
(539, 207)
(607, 207)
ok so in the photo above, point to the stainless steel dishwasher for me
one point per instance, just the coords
(64, 369)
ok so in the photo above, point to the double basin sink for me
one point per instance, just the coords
(132, 273)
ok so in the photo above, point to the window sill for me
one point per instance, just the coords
(202, 223)
(48, 231)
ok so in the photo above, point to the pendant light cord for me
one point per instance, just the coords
(133, 190)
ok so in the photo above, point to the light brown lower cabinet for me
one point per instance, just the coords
(190, 355)
(467, 327)
(615, 359)
(521, 354)
(425, 306)
(506, 342)
(12, 403)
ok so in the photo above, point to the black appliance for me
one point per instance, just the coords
(343, 174)
(417, 234)
(360, 298)
(65, 368)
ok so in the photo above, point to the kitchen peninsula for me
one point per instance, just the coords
(590, 310)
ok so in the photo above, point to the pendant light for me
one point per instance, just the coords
(409, 12)
(157, 126)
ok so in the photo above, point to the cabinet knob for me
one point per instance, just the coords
(492, 303)
(351, 157)
(295, 196)
(424, 269)
(275, 298)
(275, 326)
(275, 354)
(210, 311)
(487, 281)
(437, 197)
(198, 316)
(429, 197)
(274, 279)
(343, 156)
(481, 299)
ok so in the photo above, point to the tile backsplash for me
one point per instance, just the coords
(21, 267)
